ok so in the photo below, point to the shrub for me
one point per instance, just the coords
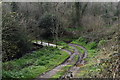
(48, 21)
(92, 45)
(81, 39)
(102, 42)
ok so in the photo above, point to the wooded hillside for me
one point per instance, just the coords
(88, 29)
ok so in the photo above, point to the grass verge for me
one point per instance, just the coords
(33, 64)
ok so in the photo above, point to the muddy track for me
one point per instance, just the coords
(85, 53)
(69, 61)
(52, 72)
(74, 70)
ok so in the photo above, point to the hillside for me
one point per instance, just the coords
(60, 40)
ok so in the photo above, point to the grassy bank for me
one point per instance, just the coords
(34, 64)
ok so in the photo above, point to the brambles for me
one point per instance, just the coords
(110, 67)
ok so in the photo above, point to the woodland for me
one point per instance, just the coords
(59, 40)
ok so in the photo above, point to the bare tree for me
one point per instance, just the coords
(79, 12)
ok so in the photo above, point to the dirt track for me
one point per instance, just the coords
(74, 70)
(68, 61)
